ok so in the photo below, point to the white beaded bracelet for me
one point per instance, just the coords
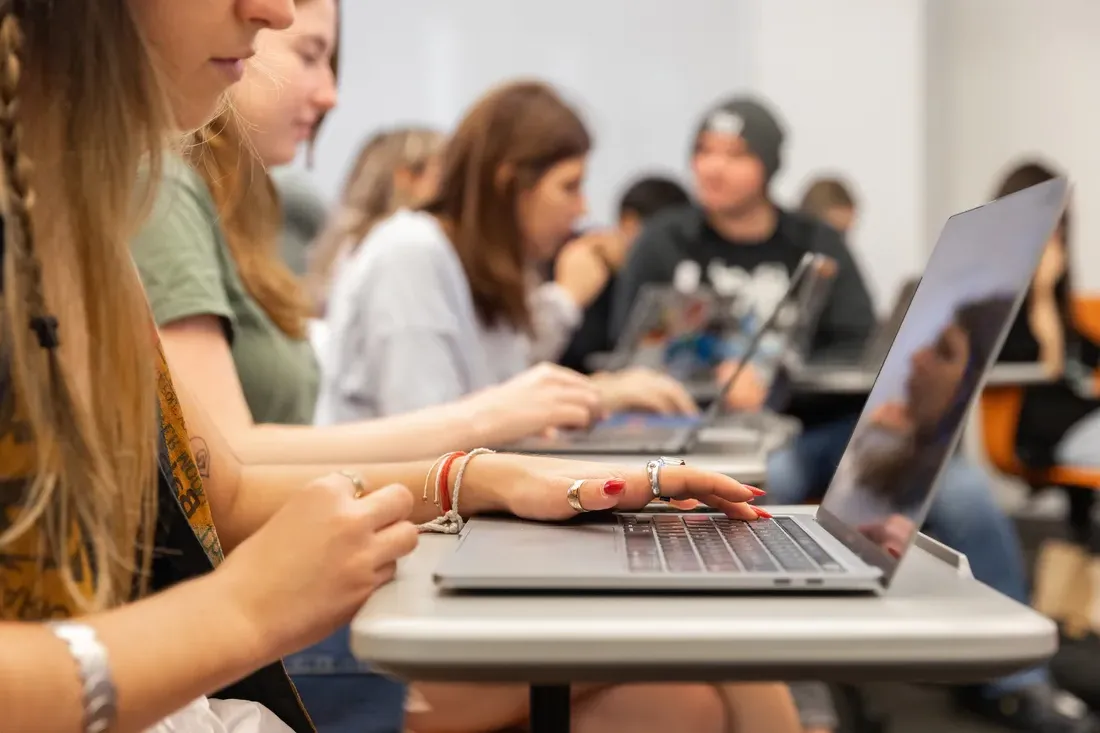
(94, 669)
(452, 522)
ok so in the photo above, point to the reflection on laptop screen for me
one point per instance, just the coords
(950, 336)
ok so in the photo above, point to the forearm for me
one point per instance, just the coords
(164, 652)
(264, 489)
(404, 437)
(1047, 329)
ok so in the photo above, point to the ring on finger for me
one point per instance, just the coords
(653, 471)
(357, 482)
(573, 496)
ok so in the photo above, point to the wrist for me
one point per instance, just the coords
(482, 492)
(606, 385)
(482, 422)
(258, 639)
(576, 297)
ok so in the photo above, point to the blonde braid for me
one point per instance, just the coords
(60, 444)
(20, 201)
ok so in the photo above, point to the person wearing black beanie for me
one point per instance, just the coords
(736, 240)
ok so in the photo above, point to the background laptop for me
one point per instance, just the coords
(882, 488)
(643, 433)
(871, 355)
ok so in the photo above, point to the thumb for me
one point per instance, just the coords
(600, 494)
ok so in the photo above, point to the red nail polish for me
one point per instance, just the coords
(614, 486)
(755, 491)
(763, 514)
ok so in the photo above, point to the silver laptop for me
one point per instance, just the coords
(643, 433)
(879, 496)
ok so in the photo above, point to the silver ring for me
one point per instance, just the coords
(653, 471)
(573, 496)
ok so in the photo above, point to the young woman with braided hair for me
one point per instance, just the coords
(96, 460)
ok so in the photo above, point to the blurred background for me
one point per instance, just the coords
(918, 103)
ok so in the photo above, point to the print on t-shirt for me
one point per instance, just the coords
(754, 295)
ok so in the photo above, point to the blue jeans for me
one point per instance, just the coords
(964, 516)
(341, 694)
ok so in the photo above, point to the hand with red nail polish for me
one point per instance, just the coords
(615, 486)
(536, 487)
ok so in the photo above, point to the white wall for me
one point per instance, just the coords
(921, 103)
(1011, 78)
(847, 76)
(641, 78)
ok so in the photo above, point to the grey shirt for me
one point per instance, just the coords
(402, 330)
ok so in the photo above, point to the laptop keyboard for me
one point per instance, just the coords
(701, 543)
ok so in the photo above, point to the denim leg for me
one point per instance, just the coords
(802, 470)
(965, 517)
(341, 694)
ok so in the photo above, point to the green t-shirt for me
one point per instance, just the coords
(187, 270)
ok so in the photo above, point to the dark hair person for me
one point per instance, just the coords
(831, 201)
(587, 267)
(1059, 422)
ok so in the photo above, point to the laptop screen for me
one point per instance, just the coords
(951, 334)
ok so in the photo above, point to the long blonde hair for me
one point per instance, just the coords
(80, 97)
(252, 214)
(370, 195)
(251, 220)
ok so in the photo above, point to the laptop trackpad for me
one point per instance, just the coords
(503, 548)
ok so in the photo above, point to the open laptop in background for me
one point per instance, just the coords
(666, 333)
(681, 334)
(879, 497)
(643, 433)
(873, 352)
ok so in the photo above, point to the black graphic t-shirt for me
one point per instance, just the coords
(679, 247)
(758, 273)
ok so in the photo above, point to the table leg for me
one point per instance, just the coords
(550, 708)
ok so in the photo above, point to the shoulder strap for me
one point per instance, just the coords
(178, 467)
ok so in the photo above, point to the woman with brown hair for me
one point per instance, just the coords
(123, 601)
(445, 300)
(396, 169)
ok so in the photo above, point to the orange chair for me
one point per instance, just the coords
(1000, 413)
(1086, 314)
